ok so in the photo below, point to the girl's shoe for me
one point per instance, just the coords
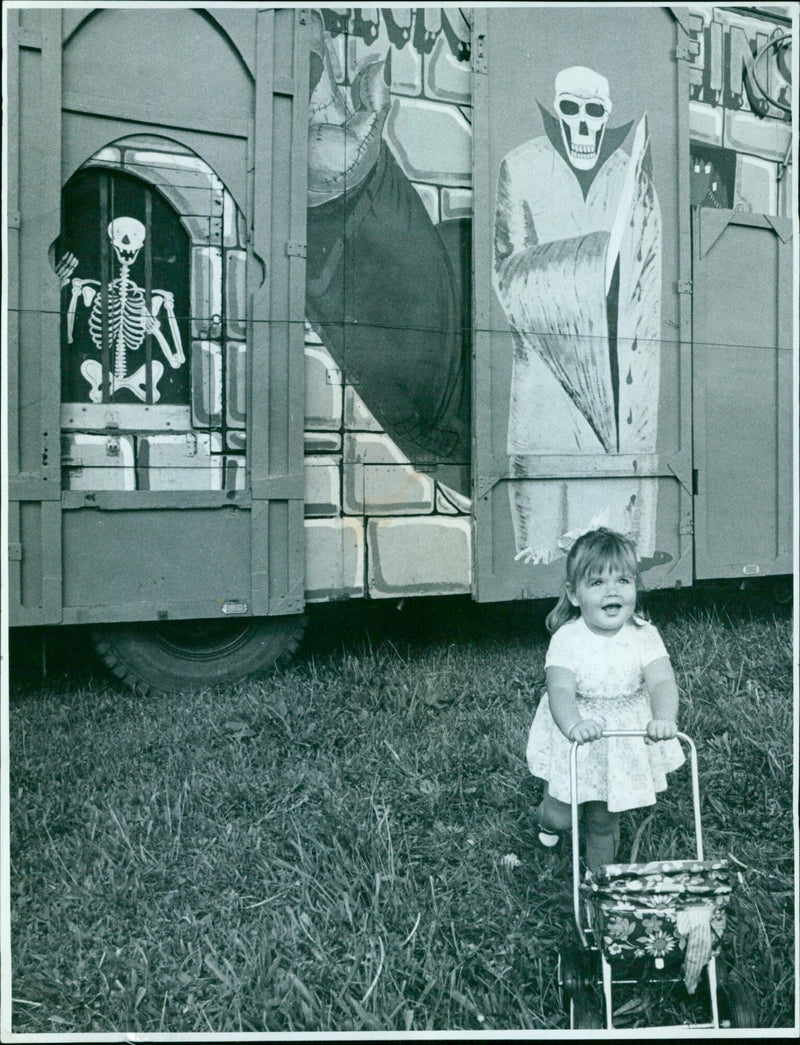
(548, 839)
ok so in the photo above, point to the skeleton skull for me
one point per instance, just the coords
(582, 104)
(127, 236)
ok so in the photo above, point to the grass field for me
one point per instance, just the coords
(349, 845)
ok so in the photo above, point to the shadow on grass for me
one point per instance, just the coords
(65, 656)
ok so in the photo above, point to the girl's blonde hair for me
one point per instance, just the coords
(594, 553)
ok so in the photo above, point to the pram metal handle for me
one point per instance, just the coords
(573, 783)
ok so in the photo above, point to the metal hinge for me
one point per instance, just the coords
(685, 286)
(295, 249)
(13, 219)
(480, 63)
(15, 553)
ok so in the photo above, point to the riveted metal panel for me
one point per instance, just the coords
(742, 369)
(581, 379)
(125, 554)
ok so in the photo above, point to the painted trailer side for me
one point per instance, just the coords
(318, 304)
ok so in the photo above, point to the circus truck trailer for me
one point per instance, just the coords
(307, 305)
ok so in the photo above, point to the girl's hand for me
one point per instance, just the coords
(585, 730)
(661, 729)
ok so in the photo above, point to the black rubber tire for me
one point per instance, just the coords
(574, 971)
(586, 1011)
(186, 656)
(783, 590)
(737, 1005)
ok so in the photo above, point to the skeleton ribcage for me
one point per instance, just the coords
(127, 321)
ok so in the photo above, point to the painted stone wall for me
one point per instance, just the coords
(386, 492)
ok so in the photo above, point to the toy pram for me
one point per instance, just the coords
(658, 921)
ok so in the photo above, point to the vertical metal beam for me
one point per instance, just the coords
(10, 379)
(277, 305)
(684, 571)
(481, 296)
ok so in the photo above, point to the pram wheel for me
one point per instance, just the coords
(737, 1005)
(586, 1012)
(576, 970)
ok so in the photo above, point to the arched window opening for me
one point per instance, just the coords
(152, 262)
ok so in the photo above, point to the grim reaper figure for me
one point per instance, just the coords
(577, 269)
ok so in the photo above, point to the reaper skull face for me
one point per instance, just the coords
(127, 236)
(582, 104)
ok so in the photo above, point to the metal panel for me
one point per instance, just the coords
(581, 380)
(130, 555)
(151, 564)
(742, 368)
(277, 295)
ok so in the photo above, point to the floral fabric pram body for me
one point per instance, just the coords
(645, 922)
(660, 910)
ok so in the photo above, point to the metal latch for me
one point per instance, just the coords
(480, 62)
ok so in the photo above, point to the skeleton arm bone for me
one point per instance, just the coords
(65, 266)
(80, 287)
(165, 298)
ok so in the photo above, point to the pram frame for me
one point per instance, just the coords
(576, 874)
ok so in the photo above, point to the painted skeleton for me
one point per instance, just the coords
(127, 318)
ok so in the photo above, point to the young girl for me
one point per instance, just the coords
(606, 668)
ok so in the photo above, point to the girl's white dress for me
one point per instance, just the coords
(625, 772)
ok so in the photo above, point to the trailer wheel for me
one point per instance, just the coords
(185, 656)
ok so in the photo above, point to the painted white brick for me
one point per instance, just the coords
(446, 78)
(378, 479)
(456, 203)
(406, 63)
(236, 388)
(705, 123)
(322, 496)
(321, 442)
(206, 383)
(756, 185)
(235, 477)
(97, 462)
(235, 293)
(206, 291)
(179, 462)
(451, 502)
(356, 415)
(334, 559)
(421, 556)
(323, 390)
(423, 133)
(233, 222)
(766, 138)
